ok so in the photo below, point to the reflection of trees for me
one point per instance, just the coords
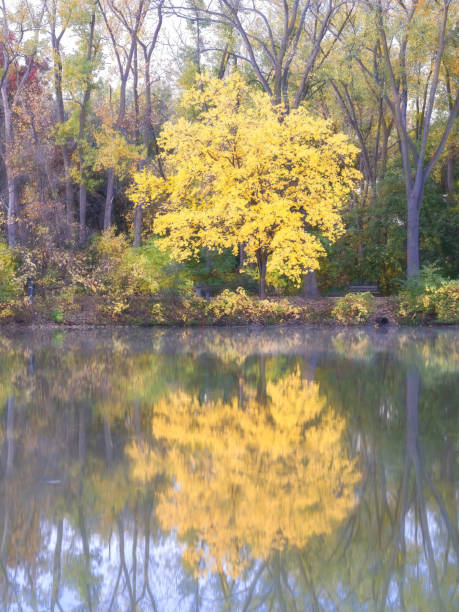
(62, 480)
(270, 475)
(407, 512)
(70, 407)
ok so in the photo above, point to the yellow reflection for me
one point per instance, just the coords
(250, 476)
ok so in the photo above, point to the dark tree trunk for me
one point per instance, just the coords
(412, 248)
(68, 189)
(109, 199)
(241, 255)
(310, 289)
(450, 164)
(83, 206)
(262, 259)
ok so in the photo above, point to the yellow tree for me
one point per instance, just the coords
(239, 171)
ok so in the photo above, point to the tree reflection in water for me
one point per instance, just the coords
(271, 469)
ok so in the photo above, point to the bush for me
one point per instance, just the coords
(121, 271)
(230, 307)
(10, 284)
(447, 302)
(353, 308)
(430, 296)
(9, 287)
(57, 315)
(238, 307)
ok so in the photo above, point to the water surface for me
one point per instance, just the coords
(237, 469)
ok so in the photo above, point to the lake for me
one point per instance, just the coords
(235, 469)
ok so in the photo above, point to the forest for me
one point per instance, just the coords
(155, 153)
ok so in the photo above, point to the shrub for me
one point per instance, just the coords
(237, 306)
(353, 308)
(121, 271)
(230, 307)
(157, 314)
(9, 287)
(447, 302)
(62, 303)
(10, 284)
(57, 315)
(430, 296)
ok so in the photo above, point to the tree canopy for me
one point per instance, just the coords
(242, 172)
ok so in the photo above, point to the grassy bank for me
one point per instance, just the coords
(230, 308)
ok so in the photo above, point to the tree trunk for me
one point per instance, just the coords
(450, 163)
(262, 259)
(83, 114)
(83, 206)
(241, 254)
(11, 211)
(10, 179)
(412, 250)
(68, 188)
(65, 149)
(109, 199)
(310, 289)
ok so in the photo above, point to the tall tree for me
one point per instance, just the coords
(59, 15)
(244, 173)
(147, 38)
(17, 61)
(123, 22)
(406, 53)
(81, 71)
(285, 44)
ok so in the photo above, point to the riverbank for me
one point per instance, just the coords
(232, 309)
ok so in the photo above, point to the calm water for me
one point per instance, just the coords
(276, 469)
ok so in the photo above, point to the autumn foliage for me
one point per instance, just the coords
(242, 172)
